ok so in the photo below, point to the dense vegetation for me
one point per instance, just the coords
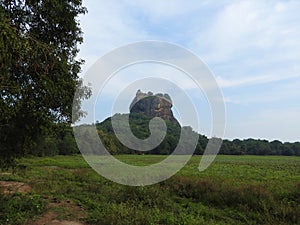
(38, 72)
(233, 190)
(62, 142)
(259, 147)
(139, 124)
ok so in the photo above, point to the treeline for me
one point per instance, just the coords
(259, 147)
(139, 125)
(63, 142)
(59, 141)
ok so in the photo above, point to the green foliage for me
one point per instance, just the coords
(62, 141)
(46, 146)
(18, 208)
(139, 124)
(67, 145)
(38, 70)
(259, 147)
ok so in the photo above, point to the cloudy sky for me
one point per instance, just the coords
(251, 47)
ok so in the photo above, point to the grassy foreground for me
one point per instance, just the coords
(233, 190)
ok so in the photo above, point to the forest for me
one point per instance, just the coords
(139, 126)
(63, 143)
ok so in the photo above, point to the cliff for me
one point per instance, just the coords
(158, 105)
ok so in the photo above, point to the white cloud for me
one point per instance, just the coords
(247, 26)
(254, 80)
(106, 26)
(167, 9)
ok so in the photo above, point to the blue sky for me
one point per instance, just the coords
(251, 47)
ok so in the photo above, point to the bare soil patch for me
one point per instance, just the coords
(60, 212)
(10, 187)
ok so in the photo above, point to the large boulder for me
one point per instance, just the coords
(158, 105)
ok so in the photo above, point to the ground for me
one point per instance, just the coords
(51, 215)
(9, 187)
(233, 190)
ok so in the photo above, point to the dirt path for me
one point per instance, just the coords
(58, 212)
(49, 218)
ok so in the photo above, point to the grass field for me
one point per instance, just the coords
(233, 190)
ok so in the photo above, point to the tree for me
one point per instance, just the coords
(276, 147)
(38, 70)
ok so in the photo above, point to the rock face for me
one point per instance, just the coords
(158, 105)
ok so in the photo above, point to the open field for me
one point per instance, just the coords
(233, 190)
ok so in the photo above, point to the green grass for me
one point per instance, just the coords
(233, 190)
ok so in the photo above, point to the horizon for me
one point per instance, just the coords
(251, 47)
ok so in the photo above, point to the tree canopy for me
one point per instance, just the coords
(38, 70)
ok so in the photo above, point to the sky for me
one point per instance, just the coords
(252, 48)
